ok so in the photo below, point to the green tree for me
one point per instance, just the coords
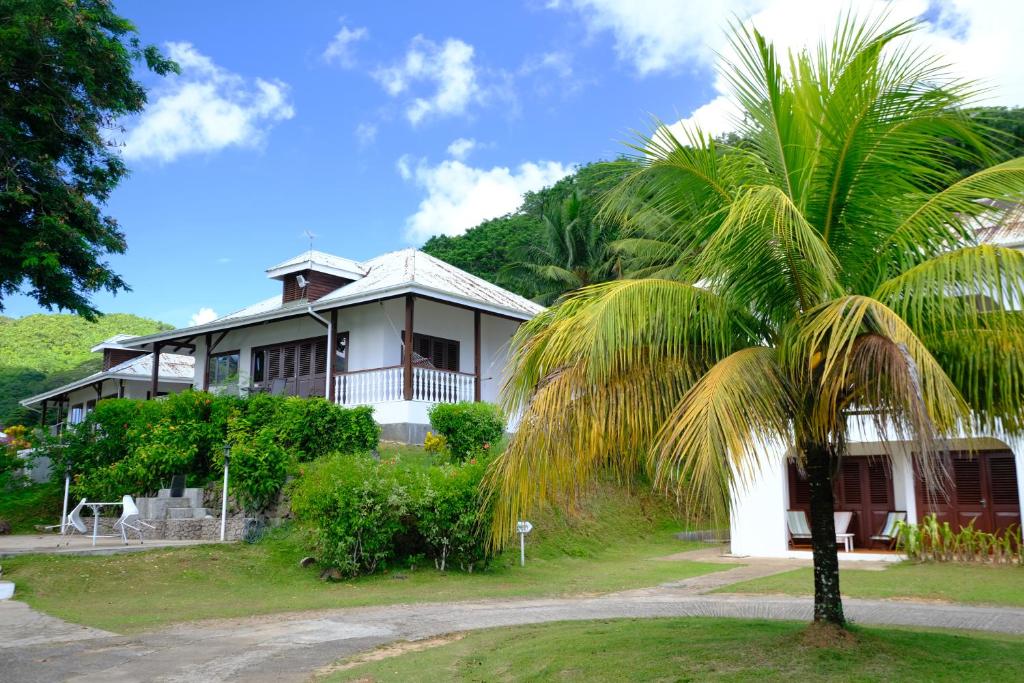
(836, 279)
(67, 80)
(574, 252)
(485, 249)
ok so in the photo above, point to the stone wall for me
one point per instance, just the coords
(207, 529)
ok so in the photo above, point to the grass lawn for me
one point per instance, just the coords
(981, 584)
(611, 546)
(698, 649)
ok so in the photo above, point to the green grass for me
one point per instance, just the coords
(612, 545)
(699, 649)
(26, 506)
(968, 583)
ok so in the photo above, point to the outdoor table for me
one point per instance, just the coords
(96, 516)
(846, 540)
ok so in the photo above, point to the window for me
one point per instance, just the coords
(77, 414)
(223, 368)
(436, 352)
(294, 360)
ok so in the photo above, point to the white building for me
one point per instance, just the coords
(879, 477)
(126, 373)
(362, 312)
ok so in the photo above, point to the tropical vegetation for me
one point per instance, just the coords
(68, 78)
(821, 272)
(44, 351)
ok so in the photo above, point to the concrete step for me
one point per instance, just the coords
(186, 513)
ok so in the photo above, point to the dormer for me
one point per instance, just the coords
(314, 274)
(114, 351)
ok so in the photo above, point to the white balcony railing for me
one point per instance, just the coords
(366, 387)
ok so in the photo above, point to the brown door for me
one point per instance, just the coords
(982, 488)
(863, 487)
(297, 368)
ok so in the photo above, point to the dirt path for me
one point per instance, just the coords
(291, 647)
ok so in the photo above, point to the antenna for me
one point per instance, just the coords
(311, 236)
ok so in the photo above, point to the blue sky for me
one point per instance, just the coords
(374, 125)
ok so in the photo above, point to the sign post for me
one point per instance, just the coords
(224, 493)
(523, 528)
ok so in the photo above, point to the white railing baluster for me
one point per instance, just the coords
(431, 385)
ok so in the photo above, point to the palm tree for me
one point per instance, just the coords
(828, 272)
(574, 252)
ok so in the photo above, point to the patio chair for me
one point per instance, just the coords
(130, 519)
(72, 521)
(889, 533)
(799, 529)
(842, 521)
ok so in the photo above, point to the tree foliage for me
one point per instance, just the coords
(821, 271)
(44, 351)
(67, 80)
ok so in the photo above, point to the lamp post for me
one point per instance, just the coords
(224, 493)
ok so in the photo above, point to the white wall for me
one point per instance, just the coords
(133, 388)
(495, 334)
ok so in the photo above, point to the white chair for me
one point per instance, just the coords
(889, 533)
(130, 520)
(841, 520)
(74, 521)
(799, 529)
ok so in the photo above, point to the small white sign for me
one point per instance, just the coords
(524, 527)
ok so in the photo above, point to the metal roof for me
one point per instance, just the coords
(321, 261)
(1003, 226)
(174, 368)
(414, 269)
(114, 342)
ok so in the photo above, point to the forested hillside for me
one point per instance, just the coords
(39, 352)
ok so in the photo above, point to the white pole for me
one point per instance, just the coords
(224, 502)
(64, 512)
(522, 550)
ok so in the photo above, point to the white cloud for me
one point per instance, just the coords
(978, 40)
(461, 147)
(460, 196)
(204, 109)
(447, 67)
(366, 134)
(339, 50)
(559, 62)
(203, 316)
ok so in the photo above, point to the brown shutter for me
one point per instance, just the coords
(850, 475)
(967, 475)
(1004, 479)
(320, 357)
(878, 482)
(305, 353)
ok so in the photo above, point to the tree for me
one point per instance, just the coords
(67, 80)
(835, 277)
(573, 252)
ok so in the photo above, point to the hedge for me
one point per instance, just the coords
(469, 428)
(132, 446)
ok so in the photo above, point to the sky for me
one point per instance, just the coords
(376, 125)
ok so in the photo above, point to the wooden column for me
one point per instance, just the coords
(407, 348)
(206, 362)
(60, 415)
(154, 379)
(476, 355)
(42, 416)
(120, 388)
(332, 354)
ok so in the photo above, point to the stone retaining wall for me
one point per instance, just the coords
(207, 529)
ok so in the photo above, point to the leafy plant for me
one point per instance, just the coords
(468, 427)
(935, 542)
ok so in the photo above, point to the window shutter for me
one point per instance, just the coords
(850, 474)
(305, 353)
(320, 357)
(878, 483)
(452, 356)
(1004, 479)
(967, 478)
(273, 363)
(288, 362)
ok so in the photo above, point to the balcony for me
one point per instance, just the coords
(382, 385)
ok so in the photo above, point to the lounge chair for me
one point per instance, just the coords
(841, 520)
(799, 529)
(130, 519)
(889, 533)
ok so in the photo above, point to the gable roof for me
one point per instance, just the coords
(174, 368)
(320, 261)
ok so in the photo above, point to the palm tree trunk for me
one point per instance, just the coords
(828, 604)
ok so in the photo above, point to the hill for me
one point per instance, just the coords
(43, 351)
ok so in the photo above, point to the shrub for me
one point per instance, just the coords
(353, 509)
(939, 543)
(450, 518)
(470, 428)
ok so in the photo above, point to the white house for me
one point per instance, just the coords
(338, 330)
(984, 483)
(126, 373)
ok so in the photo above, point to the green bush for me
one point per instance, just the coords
(361, 515)
(470, 428)
(131, 446)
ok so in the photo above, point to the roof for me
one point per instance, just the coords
(388, 275)
(1003, 226)
(414, 269)
(114, 342)
(320, 261)
(174, 368)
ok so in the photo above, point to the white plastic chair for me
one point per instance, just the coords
(799, 529)
(130, 520)
(74, 521)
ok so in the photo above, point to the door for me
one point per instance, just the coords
(981, 488)
(863, 486)
(298, 368)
